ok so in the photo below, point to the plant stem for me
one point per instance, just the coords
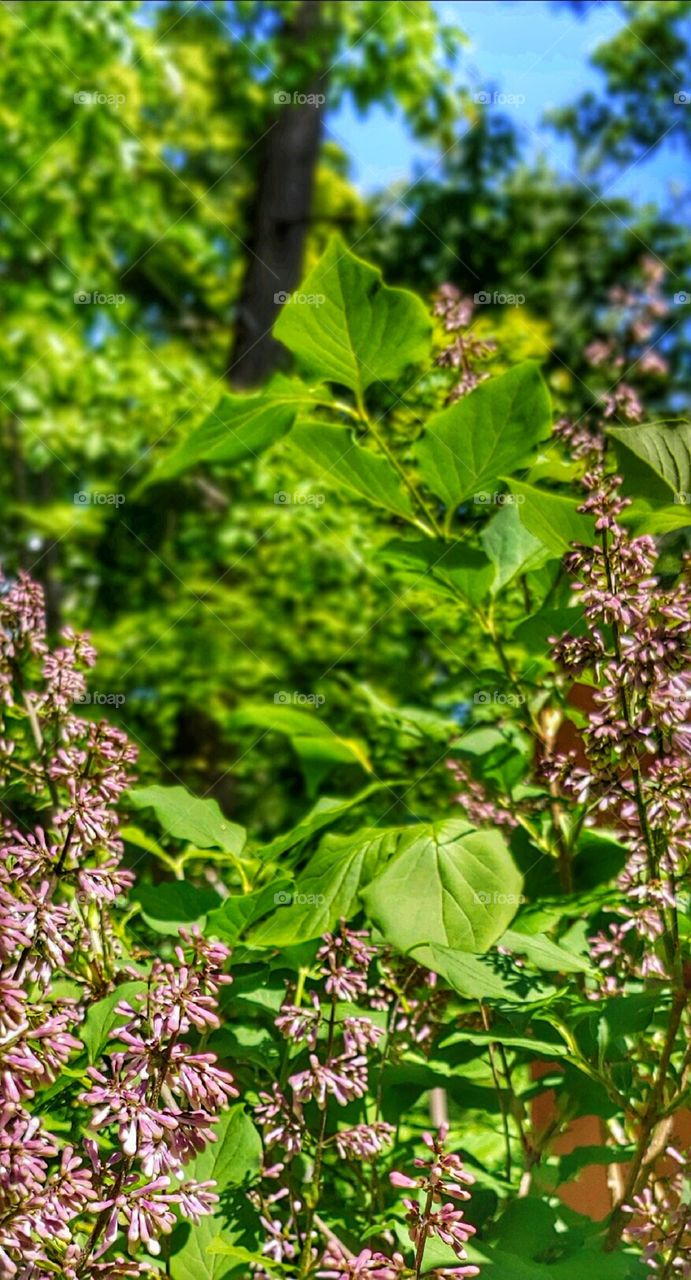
(315, 1187)
(651, 1117)
(412, 489)
(492, 1048)
(420, 1250)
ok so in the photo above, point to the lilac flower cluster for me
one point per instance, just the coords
(431, 1214)
(633, 318)
(152, 1100)
(335, 1070)
(331, 1033)
(638, 735)
(479, 806)
(414, 1002)
(661, 1222)
(456, 312)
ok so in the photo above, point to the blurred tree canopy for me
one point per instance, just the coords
(646, 70)
(137, 148)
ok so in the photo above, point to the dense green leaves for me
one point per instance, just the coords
(442, 883)
(256, 639)
(348, 327)
(327, 890)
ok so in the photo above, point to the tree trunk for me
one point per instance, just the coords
(281, 210)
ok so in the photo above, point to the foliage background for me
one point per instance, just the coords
(208, 597)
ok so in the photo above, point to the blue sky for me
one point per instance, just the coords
(520, 47)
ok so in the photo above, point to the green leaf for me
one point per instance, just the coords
(607, 1266)
(544, 953)
(324, 813)
(240, 427)
(190, 818)
(511, 547)
(501, 1035)
(337, 457)
(467, 974)
(236, 1253)
(599, 859)
(551, 518)
(360, 331)
(628, 1015)
(236, 1154)
(229, 1161)
(168, 906)
(327, 890)
(431, 563)
(133, 835)
(645, 518)
(418, 722)
(655, 459)
(467, 448)
(499, 1264)
(495, 1264)
(571, 1164)
(312, 737)
(240, 910)
(527, 1227)
(101, 1018)
(534, 632)
(500, 754)
(447, 884)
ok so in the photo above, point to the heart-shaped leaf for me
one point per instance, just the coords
(447, 884)
(351, 328)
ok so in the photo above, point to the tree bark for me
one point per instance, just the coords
(281, 210)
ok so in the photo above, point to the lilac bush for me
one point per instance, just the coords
(416, 961)
(151, 1101)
